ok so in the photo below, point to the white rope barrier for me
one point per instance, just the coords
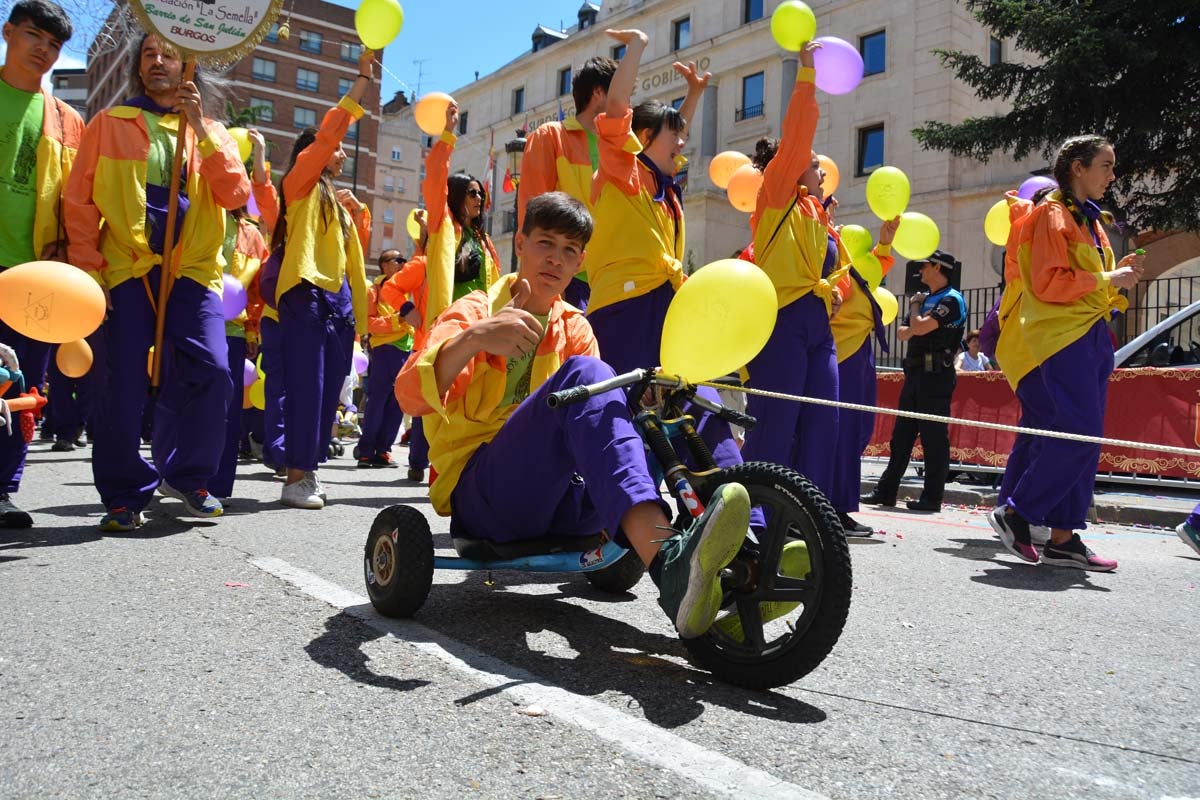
(968, 423)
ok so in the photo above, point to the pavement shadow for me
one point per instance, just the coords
(1037, 577)
(340, 648)
(975, 549)
(42, 536)
(609, 655)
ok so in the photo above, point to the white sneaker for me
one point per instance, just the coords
(320, 486)
(302, 494)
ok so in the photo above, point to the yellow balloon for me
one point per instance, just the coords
(887, 192)
(743, 187)
(793, 24)
(917, 237)
(412, 226)
(856, 238)
(724, 165)
(888, 304)
(258, 394)
(869, 267)
(74, 359)
(242, 139)
(50, 301)
(833, 176)
(378, 22)
(430, 112)
(996, 224)
(718, 320)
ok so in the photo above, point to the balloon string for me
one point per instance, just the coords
(394, 77)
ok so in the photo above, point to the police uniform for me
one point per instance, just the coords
(929, 380)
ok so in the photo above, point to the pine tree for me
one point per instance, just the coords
(1126, 69)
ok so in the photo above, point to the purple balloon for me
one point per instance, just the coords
(252, 206)
(360, 362)
(1033, 185)
(233, 297)
(839, 65)
(249, 373)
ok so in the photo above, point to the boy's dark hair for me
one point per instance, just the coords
(596, 73)
(654, 116)
(44, 15)
(560, 213)
(764, 150)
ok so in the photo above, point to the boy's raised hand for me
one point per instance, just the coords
(626, 37)
(512, 332)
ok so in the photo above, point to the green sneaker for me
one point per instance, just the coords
(689, 589)
(794, 563)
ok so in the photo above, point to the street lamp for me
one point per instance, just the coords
(515, 148)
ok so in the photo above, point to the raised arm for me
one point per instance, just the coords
(796, 137)
(696, 82)
(539, 169)
(620, 89)
(435, 188)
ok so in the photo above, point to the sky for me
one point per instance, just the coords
(442, 43)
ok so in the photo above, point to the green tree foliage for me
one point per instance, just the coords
(1126, 69)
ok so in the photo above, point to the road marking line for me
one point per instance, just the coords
(643, 740)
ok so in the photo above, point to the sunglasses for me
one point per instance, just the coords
(475, 193)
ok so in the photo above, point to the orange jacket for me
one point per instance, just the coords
(409, 282)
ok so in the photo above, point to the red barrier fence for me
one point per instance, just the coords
(1158, 406)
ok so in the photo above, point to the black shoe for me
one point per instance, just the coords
(11, 516)
(923, 505)
(417, 475)
(854, 528)
(376, 461)
(876, 499)
(63, 446)
(82, 440)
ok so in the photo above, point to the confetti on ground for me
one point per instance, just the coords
(233, 585)
(534, 711)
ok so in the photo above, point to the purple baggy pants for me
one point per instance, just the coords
(1035, 407)
(34, 356)
(383, 414)
(273, 392)
(799, 358)
(316, 342)
(222, 483)
(856, 384)
(574, 470)
(1056, 488)
(418, 445)
(189, 417)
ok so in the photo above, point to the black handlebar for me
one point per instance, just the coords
(568, 396)
(577, 394)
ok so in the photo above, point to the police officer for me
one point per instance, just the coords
(933, 330)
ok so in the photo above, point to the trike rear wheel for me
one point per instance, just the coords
(620, 577)
(787, 595)
(398, 562)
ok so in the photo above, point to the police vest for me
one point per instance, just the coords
(947, 336)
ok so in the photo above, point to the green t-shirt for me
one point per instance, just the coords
(20, 129)
(520, 370)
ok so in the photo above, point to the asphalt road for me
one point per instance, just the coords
(238, 657)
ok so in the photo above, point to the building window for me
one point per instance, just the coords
(873, 48)
(351, 51)
(618, 52)
(395, 154)
(681, 33)
(752, 97)
(389, 183)
(264, 110)
(350, 167)
(870, 149)
(995, 51)
(751, 10)
(263, 70)
(310, 42)
(400, 184)
(518, 100)
(462, 123)
(389, 216)
(308, 80)
(344, 86)
(677, 103)
(352, 131)
(273, 34)
(564, 81)
(304, 117)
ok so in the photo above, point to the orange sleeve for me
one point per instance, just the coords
(581, 340)
(406, 281)
(1053, 278)
(618, 163)
(795, 146)
(268, 203)
(303, 176)
(453, 321)
(845, 286)
(376, 322)
(539, 168)
(222, 168)
(81, 217)
(435, 187)
(363, 223)
(886, 260)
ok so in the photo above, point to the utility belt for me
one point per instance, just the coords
(932, 361)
